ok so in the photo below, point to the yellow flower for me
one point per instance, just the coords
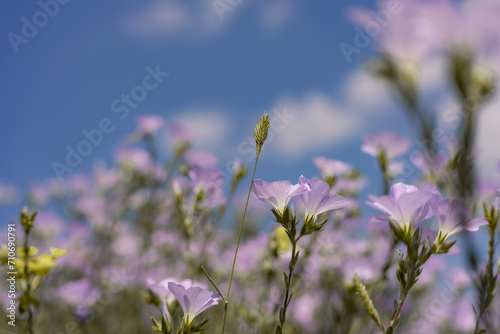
(31, 251)
(40, 265)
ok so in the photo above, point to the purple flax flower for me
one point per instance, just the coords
(453, 216)
(330, 167)
(350, 186)
(462, 315)
(209, 180)
(319, 199)
(201, 158)
(80, 294)
(278, 193)
(487, 190)
(497, 200)
(424, 29)
(193, 300)
(162, 291)
(434, 165)
(406, 205)
(135, 157)
(391, 143)
(181, 134)
(149, 124)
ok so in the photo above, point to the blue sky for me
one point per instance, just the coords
(265, 55)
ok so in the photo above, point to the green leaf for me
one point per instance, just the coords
(282, 315)
(296, 258)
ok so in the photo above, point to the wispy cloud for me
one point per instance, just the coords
(318, 123)
(488, 139)
(159, 19)
(212, 127)
(200, 19)
(165, 17)
(324, 120)
(276, 14)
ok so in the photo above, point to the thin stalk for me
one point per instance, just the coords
(237, 246)
(490, 279)
(404, 294)
(386, 178)
(288, 284)
(212, 281)
(465, 170)
(28, 283)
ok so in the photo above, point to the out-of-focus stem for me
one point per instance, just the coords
(28, 283)
(490, 278)
(404, 294)
(288, 284)
(237, 246)
(386, 178)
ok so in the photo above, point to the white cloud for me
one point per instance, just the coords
(365, 93)
(325, 120)
(449, 117)
(211, 127)
(160, 16)
(200, 19)
(488, 138)
(164, 18)
(276, 14)
(318, 123)
(433, 73)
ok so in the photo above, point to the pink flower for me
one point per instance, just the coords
(278, 193)
(435, 164)
(421, 29)
(319, 199)
(200, 158)
(136, 158)
(497, 200)
(453, 217)
(392, 144)
(406, 205)
(193, 300)
(161, 288)
(209, 180)
(330, 167)
(149, 124)
(181, 134)
(80, 294)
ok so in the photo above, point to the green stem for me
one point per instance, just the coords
(466, 168)
(386, 178)
(466, 177)
(402, 298)
(28, 283)
(237, 246)
(490, 279)
(288, 284)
